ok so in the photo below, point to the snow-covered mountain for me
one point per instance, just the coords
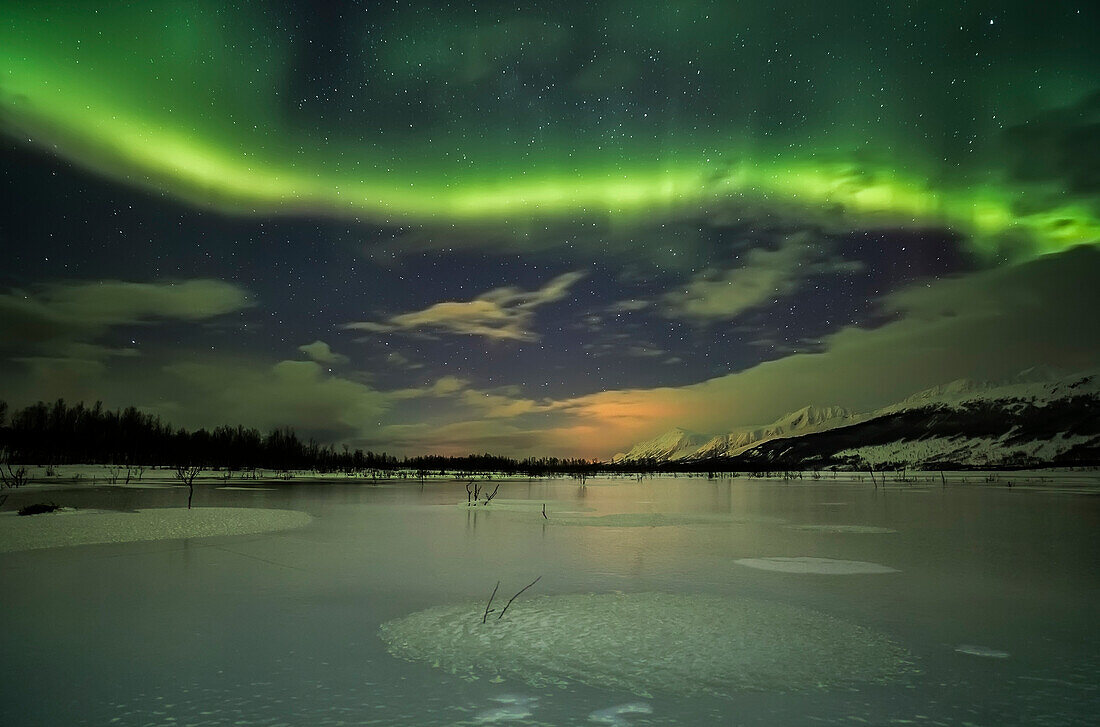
(1018, 423)
(680, 444)
(1029, 420)
(674, 444)
(805, 420)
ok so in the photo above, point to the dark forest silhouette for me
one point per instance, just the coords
(60, 433)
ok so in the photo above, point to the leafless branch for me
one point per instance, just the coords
(517, 596)
(490, 603)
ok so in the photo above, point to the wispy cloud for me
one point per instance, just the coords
(443, 386)
(501, 314)
(629, 305)
(65, 319)
(499, 406)
(321, 352)
(763, 277)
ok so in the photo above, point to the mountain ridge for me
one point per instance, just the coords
(1026, 420)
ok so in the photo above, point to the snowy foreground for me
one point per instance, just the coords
(91, 527)
(645, 643)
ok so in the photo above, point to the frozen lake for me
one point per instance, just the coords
(668, 602)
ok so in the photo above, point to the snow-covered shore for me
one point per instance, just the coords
(91, 527)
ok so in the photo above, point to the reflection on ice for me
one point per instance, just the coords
(649, 642)
(664, 519)
(865, 529)
(985, 651)
(823, 566)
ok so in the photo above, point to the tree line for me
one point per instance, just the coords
(62, 433)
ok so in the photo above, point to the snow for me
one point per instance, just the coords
(972, 451)
(1033, 387)
(674, 444)
(644, 643)
(614, 715)
(819, 566)
(682, 444)
(1029, 385)
(91, 527)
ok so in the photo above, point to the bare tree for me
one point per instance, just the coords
(187, 474)
(11, 477)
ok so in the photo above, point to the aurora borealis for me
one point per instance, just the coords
(546, 227)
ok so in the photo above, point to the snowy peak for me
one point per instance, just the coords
(809, 417)
(1030, 385)
(676, 443)
(805, 420)
(1037, 416)
(1025, 421)
(680, 444)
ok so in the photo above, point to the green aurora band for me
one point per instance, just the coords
(189, 100)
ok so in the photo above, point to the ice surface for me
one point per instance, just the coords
(867, 529)
(614, 715)
(514, 707)
(985, 651)
(662, 519)
(518, 699)
(529, 507)
(507, 713)
(89, 527)
(570, 513)
(824, 566)
(644, 643)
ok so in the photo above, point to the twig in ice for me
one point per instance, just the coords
(517, 596)
(490, 603)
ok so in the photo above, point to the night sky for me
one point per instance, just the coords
(541, 228)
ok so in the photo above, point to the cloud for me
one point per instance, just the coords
(500, 403)
(443, 386)
(320, 352)
(629, 305)
(644, 351)
(500, 314)
(988, 325)
(448, 385)
(299, 394)
(498, 406)
(764, 277)
(401, 361)
(66, 318)
(46, 377)
(457, 438)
